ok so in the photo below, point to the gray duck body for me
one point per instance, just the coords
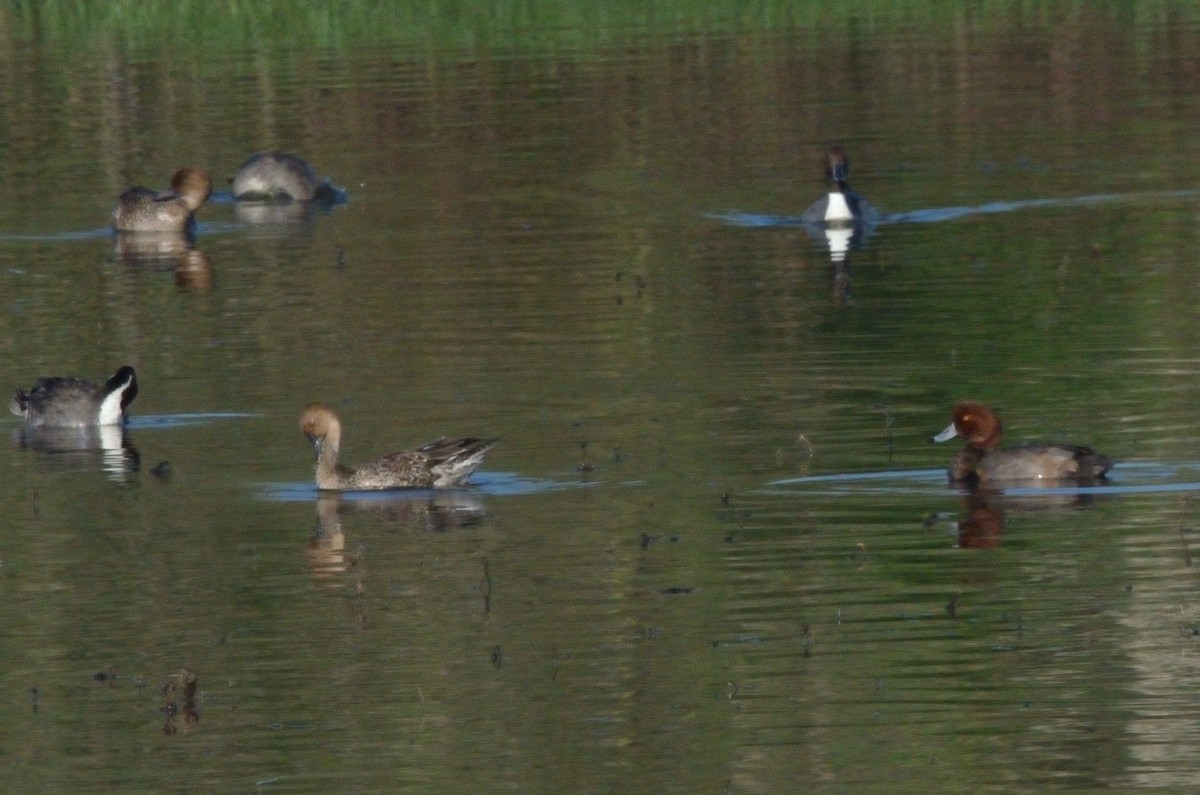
(275, 176)
(75, 403)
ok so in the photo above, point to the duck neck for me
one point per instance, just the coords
(327, 457)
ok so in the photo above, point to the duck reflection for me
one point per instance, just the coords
(413, 510)
(288, 221)
(103, 447)
(277, 213)
(840, 241)
(326, 550)
(172, 251)
(981, 525)
(194, 270)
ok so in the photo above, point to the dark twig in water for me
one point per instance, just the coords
(888, 422)
(586, 467)
(648, 539)
(360, 605)
(485, 587)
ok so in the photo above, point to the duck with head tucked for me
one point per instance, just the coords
(980, 463)
(841, 206)
(75, 403)
(279, 176)
(143, 210)
(445, 463)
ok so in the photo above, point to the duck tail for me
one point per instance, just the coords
(1092, 464)
(455, 459)
(19, 402)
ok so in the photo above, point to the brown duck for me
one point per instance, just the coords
(442, 464)
(144, 210)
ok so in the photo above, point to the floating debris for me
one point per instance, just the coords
(179, 702)
(485, 587)
(648, 539)
(586, 467)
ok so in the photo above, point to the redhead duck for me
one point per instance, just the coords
(274, 176)
(441, 464)
(980, 463)
(143, 210)
(75, 403)
(842, 206)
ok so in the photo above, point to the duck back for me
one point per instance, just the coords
(1043, 463)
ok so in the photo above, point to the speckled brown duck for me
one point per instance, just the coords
(144, 210)
(445, 463)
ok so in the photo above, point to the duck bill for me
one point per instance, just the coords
(317, 443)
(946, 435)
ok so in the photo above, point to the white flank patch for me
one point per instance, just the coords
(838, 209)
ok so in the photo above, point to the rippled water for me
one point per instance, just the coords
(714, 550)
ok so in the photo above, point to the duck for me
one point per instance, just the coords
(842, 206)
(144, 210)
(75, 403)
(444, 463)
(980, 463)
(276, 176)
